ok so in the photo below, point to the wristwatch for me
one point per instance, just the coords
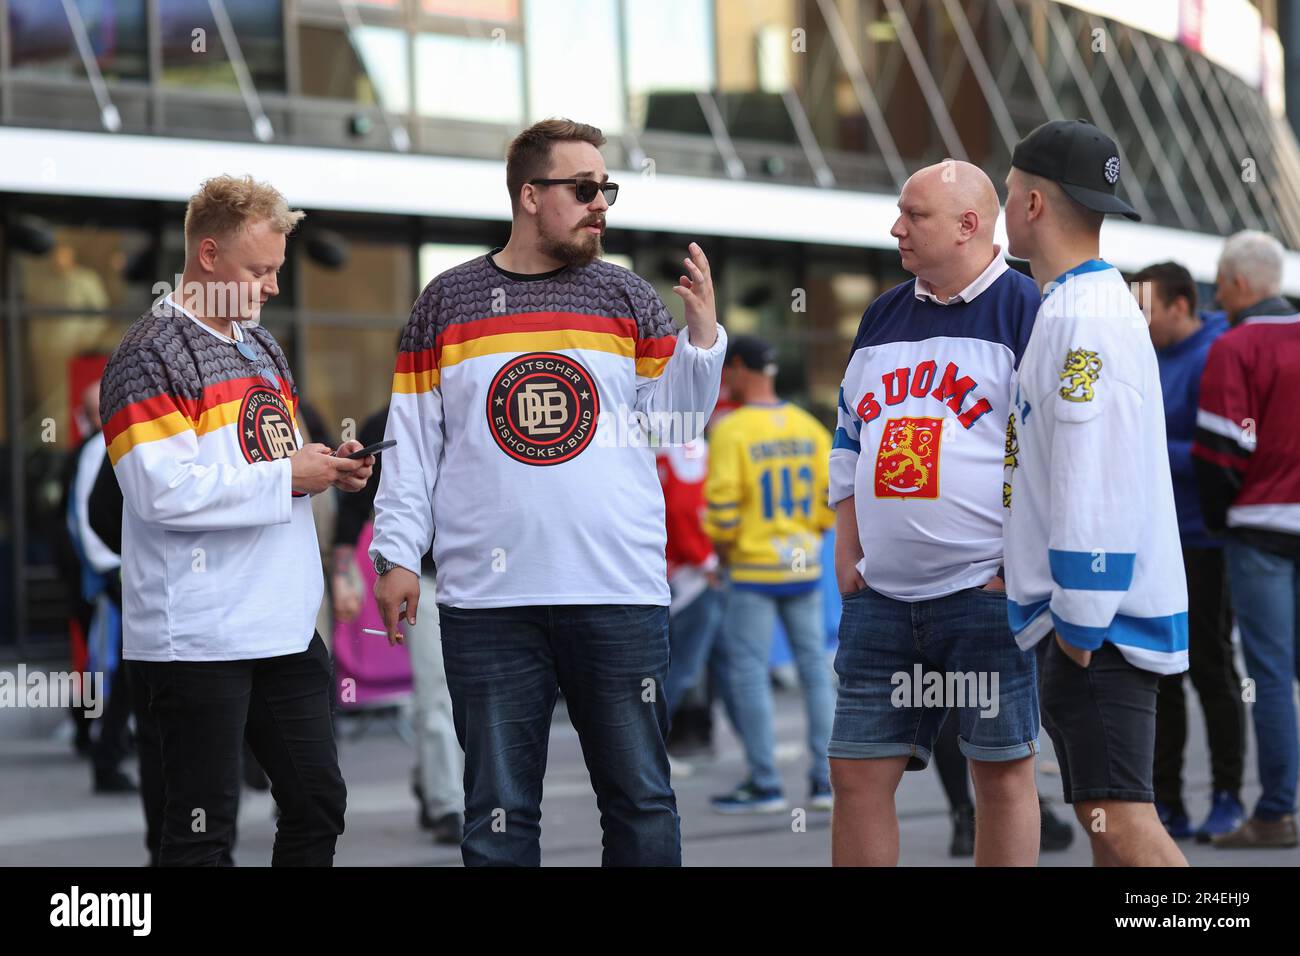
(382, 564)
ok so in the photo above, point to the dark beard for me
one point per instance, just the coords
(574, 252)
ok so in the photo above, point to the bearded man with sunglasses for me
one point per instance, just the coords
(528, 385)
(221, 574)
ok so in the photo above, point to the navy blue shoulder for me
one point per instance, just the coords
(1002, 313)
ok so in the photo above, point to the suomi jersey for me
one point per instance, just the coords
(1092, 544)
(520, 407)
(219, 556)
(922, 423)
(766, 495)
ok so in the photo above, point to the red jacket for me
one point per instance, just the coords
(1247, 446)
(682, 470)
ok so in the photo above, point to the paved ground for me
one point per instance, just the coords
(49, 817)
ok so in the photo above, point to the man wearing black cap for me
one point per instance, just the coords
(766, 512)
(1092, 546)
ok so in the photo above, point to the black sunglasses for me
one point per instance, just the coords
(585, 189)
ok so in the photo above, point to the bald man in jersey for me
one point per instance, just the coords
(917, 474)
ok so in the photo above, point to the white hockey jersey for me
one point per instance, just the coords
(521, 407)
(219, 555)
(919, 441)
(1092, 546)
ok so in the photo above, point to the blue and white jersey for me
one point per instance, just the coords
(1092, 546)
(922, 428)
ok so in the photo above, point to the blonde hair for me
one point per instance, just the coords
(225, 204)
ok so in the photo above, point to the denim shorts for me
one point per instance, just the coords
(903, 665)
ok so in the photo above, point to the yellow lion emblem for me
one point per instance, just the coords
(1011, 459)
(1082, 369)
(912, 449)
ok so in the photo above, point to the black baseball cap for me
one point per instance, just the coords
(755, 354)
(1079, 158)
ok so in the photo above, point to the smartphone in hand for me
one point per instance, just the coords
(374, 449)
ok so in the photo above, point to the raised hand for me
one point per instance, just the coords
(696, 290)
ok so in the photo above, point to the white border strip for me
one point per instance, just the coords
(62, 163)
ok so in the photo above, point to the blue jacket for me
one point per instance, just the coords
(1180, 381)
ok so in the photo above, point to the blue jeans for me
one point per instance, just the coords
(1266, 598)
(747, 630)
(504, 667)
(692, 632)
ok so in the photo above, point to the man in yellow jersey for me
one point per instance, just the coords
(766, 495)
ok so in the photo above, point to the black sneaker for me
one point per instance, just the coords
(1057, 834)
(963, 832)
(448, 829)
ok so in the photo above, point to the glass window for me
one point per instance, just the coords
(375, 71)
(574, 67)
(757, 46)
(500, 11)
(758, 61)
(41, 39)
(469, 78)
(353, 316)
(838, 293)
(8, 617)
(194, 55)
(75, 304)
(375, 280)
(348, 372)
(656, 82)
(758, 296)
(75, 299)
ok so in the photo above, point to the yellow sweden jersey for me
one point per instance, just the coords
(766, 494)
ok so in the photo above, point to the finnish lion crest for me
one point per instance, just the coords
(1082, 369)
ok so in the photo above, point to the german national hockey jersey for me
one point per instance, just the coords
(922, 425)
(520, 407)
(1092, 544)
(1248, 430)
(766, 496)
(219, 556)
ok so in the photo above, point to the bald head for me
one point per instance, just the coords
(947, 213)
(955, 187)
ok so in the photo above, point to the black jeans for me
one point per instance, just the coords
(1209, 652)
(204, 710)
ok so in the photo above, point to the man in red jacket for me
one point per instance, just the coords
(1247, 454)
(696, 609)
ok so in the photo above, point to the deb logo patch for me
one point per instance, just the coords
(907, 465)
(265, 425)
(542, 408)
